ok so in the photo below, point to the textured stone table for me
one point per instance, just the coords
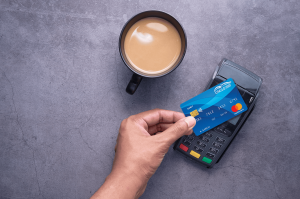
(62, 96)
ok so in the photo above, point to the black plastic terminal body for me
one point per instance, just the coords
(212, 145)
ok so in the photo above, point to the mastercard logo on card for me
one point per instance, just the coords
(236, 107)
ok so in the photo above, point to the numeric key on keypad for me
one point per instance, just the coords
(217, 145)
(198, 149)
(208, 134)
(205, 139)
(186, 143)
(220, 139)
(210, 155)
(214, 150)
(201, 144)
(190, 137)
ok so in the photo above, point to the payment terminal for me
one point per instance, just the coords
(209, 147)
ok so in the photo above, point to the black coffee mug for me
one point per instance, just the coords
(137, 75)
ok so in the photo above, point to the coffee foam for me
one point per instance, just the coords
(152, 45)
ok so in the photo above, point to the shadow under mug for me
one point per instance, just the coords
(138, 75)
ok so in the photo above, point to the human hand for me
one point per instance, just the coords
(142, 143)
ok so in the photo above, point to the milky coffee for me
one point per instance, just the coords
(152, 45)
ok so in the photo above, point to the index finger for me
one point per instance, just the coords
(155, 116)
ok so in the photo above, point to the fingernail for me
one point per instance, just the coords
(191, 122)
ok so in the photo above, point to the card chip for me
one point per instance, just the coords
(194, 113)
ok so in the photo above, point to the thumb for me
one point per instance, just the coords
(180, 128)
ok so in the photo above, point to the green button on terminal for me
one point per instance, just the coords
(207, 160)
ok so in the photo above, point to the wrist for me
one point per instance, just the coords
(127, 182)
(121, 185)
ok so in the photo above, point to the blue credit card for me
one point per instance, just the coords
(214, 106)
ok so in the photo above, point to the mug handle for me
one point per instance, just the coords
(134, 83)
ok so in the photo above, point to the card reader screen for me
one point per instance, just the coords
(234, 120)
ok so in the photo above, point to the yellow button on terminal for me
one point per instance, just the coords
(195, 154)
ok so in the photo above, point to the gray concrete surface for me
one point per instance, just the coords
(62, 96)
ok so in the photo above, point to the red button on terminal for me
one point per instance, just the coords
(183, 147)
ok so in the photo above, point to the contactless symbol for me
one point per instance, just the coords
(236, 107)
(194, 113)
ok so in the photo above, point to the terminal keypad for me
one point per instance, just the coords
(204, 147)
